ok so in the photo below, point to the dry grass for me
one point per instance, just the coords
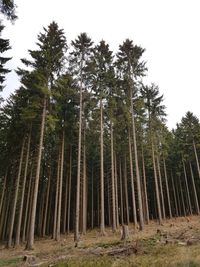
(94, 249)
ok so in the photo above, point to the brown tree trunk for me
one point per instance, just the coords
(30, 240)
(121, 193)
(196, 157)
(138, 182)
(69, 191)
(84, 204)
(46, 203)
(145, 188)
(182, 198)
(167, 188)
(92, 197)
(28, 200)
(125, 232)
(13, 209)
(116, 193)
(156, 185)
(132, 181)
(194, 189)
(187, 188)
(113, 181)
(126, 191)
(77, 214)
(3, 191)
(17, 239)
(174, 191)
(55, 218)
(60, 186)
(102, 218)
(161, 189)
(65, 203)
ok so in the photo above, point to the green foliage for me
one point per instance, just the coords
(4, 46)
(8, 9)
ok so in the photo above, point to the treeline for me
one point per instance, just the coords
(84, 144)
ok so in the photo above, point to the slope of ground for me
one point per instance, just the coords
(175, 243)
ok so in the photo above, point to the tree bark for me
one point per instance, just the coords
(161, 189)
(174, 191)
(13, 209)
(187, 188)
(194, 189)
(60, 186)
(17, 239)
(132, 181)
(28, 200)
(121, 193)
(55, 218)
(84, 210)
(69, 192)
(116, 192)
(30, 240)
(167, 188)
(46, 203)
(102, 218)
(113, 181)
(196, 157)
(3, 191)
(156, 185)
(182, 198)
(145, 188)
(77, 214)
(126, 191)
(138, 182)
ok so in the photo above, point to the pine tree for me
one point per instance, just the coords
(4, 46)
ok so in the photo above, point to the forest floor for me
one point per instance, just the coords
(175, 243)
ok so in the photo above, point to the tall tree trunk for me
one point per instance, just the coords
(182, 198)
(178, 196)
(69, 192)
(126, 191)
(30, 240)
(60, 186)
(194, 189)
(116, 193)
(145, 188)
(141, 218)
(167, 188)
(40, 211)
(102, 218)
(174, 191)
(28, 200)
(113, 181)
(84, 211)
(92, 197)
(187, 188)
(132, 181)
(77, 214)
(156, 185)
(17, 240)
(161, 188)
(13, 209)
(121, 193)
(46, 203)
(65, 203)
(55, 218)
(3, 191)
(196, 157)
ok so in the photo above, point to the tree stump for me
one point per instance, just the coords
(125, 232)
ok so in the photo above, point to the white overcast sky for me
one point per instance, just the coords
(169, 30)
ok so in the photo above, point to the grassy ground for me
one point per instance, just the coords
(175, 243)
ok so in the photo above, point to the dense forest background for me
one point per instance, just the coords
(84, 143)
